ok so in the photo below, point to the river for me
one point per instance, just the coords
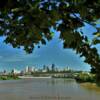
(45, 89)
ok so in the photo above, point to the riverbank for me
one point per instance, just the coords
(86, 77)
(90, 86)
(87, 80)
(9, 77)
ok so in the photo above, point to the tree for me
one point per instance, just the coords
(26, 23)
(93, 70)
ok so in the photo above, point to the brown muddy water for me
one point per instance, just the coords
(45, 89)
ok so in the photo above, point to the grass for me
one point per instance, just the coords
(9, 77)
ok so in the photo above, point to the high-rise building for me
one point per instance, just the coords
(53, 67)
(26, 69)
(29, 69)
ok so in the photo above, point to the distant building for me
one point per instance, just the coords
(15, 71)
(30, 69)
(26, 69)
(33, 69)
(45, 69)
(53, 67)
(5, 72)
(66, 69)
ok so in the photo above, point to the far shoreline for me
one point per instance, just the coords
(28, 77)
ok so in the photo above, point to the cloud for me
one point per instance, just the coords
(19, 57)
(31, 56)
(1, 57)
(13, 60)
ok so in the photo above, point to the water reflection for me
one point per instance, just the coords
(45, 89)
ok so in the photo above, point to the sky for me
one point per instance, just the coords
(51, 53)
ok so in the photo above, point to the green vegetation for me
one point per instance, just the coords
(9, 77)
(85, 77)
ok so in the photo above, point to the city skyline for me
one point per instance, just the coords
(44, 68)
